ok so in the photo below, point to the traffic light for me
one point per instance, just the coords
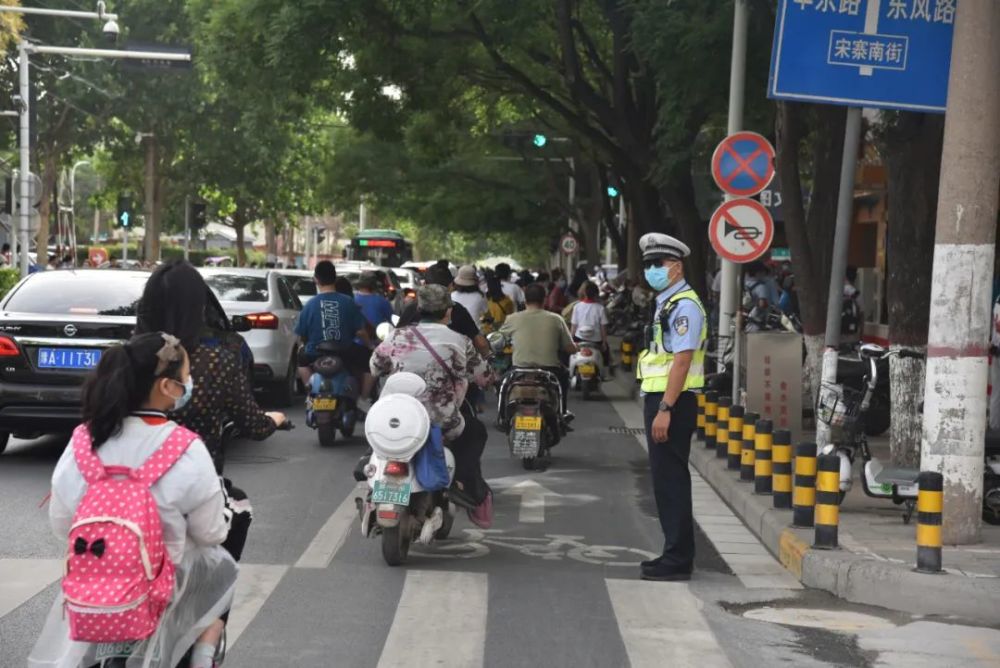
(520, 141)
(539, 140)
(126, 215)
(612, 192)
(198, 213)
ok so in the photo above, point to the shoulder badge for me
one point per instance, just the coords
(681, 325)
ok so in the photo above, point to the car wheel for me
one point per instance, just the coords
(284, 391)
(4, 438)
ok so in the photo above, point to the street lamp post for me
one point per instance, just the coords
(72, 205)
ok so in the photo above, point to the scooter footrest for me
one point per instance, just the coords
(898, 475)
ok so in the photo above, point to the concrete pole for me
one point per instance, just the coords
(838, 267)
(97, 223)
(362, 217)
(729, 295)
(955, 391)
(187, 227)
(25, 151)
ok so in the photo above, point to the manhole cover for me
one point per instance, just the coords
(830, 620)
(628, 431)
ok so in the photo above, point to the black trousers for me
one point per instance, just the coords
(468, 450)
(668, 463)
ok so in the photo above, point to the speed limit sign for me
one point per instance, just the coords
(568, 244)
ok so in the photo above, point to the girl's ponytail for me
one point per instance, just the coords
(122, 382)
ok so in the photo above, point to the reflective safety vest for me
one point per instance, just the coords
(654, 363)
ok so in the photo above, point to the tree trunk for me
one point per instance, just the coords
(159, 204)
(151, 242)
(50, 173)
(810, 234)
(270, 240)
(912, 146)
(239, 224)
(679, 194)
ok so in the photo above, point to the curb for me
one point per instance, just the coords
(852, 577)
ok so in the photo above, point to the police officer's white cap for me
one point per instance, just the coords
(656, 245)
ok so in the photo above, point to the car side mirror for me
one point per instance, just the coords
(240, 323)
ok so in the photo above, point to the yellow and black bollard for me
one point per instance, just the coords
(722, 431)
(827, 502)
(804, 494)
(930, 505)
(711, 418)
(781, 453)
(747, 454)
(735, 438)
(628, 351)
(700, 423)
(762, 457)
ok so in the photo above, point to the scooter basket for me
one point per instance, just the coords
(839, 406)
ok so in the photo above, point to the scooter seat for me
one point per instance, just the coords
(898, 475)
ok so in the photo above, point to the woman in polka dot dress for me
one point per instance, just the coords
(125, 406)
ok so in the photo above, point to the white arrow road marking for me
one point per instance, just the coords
(532, 501)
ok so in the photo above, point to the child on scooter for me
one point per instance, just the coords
(126, 452)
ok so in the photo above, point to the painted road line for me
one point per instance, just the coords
(330, 538)
(419, 636)
(23, 579)
(661, 624)
(254, 586)
(728, 533)
(532, 501)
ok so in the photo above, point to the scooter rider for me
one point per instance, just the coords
(670, 366)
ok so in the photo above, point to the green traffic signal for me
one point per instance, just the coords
(612, 192)
(539, 140)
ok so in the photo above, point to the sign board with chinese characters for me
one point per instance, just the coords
(890, 54)
(773, 373)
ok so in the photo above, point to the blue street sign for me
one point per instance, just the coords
(890, 54)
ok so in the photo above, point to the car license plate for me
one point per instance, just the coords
(524, 443)
(390, 491)
(68, 358)
(528, 423)
(587, 370)
(324, 404)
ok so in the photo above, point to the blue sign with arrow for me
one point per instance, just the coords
(889, 54)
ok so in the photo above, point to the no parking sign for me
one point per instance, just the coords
(743, 164)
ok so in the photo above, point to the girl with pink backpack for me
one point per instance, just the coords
(138, 502)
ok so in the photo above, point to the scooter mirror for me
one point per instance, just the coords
(383, 330)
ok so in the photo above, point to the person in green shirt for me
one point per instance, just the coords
(538, 336)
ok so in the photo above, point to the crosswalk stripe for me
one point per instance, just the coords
(254, 587)
(330, 538)
(22, 579)
(661, 625)
(416, 638)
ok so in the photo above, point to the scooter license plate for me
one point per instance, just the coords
(390, 491)
(587, 370)
(528, 422)
(524, 443)
(324, 404)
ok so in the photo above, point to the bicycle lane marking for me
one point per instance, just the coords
(743, 553)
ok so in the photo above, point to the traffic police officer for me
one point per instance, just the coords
(672, 364)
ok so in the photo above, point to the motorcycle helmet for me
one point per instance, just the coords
(404, 382)
(397, 426)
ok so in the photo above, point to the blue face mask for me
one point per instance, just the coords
(658, 278)
(181, 401)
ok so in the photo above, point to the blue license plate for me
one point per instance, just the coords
(68, 358)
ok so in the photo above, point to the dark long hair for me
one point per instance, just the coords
(579, 278)
(494, 291)
(122, 382)
(177, 300)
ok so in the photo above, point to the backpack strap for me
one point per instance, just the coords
(166, 455)
(87, 461)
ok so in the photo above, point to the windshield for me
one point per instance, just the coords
(238, 287)
(79, 293)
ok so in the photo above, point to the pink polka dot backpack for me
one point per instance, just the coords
(119, 577)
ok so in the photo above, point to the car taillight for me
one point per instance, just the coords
(263, 320)
(586, 352)
(397, 469)
(8, 347)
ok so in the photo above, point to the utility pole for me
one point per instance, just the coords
(187, 228)
(25, 157)
(961, 289)
(729, 290)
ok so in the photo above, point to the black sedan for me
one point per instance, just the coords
(54, 325)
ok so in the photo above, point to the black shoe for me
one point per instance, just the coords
(461, 498)
(650, 563)
(665, 573)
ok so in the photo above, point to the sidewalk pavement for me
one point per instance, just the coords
(877, 555)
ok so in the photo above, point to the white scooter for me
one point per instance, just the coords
(586, 368)
(396, 506)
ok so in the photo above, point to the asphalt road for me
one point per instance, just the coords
(553, 583)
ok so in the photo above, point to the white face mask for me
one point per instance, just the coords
(182, 401)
